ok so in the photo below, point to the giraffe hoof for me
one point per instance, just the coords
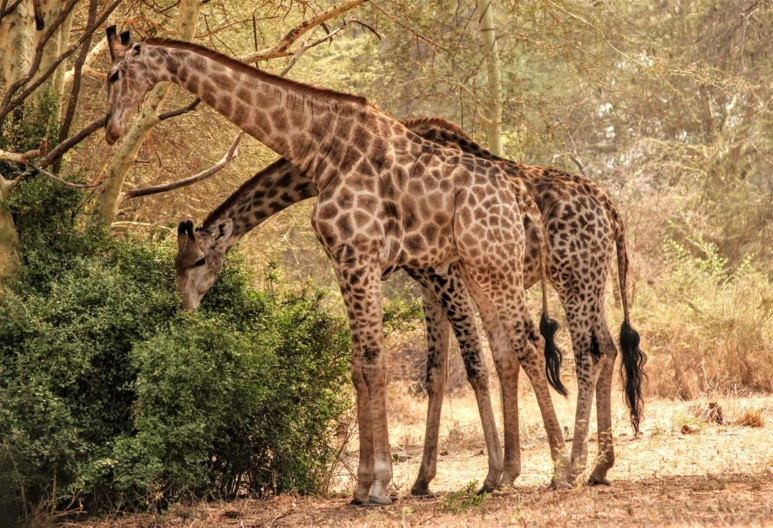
(598, 481)
(422, 492)
(380, 501)
(558, 486)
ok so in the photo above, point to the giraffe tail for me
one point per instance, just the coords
(553, 355)
(547, 326)
(633, 359)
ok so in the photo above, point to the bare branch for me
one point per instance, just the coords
(225, 160)
(25, 157)
(281, 48)
(38, 56)
(366, 26)
(60, 180)
(7, 11)
(180, 111)
(76, 84)
(73, 140)
(93, 54)
(9, 103)
(306, 46)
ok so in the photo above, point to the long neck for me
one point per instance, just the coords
(296, 121)
(273, 189)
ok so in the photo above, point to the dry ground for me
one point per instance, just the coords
(716, 475)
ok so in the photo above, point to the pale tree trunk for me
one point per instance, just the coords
(109, 196)
(494, 102)
(17, 42)
(10, 258)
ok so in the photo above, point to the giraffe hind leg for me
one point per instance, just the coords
(504, 300)
(606, 448)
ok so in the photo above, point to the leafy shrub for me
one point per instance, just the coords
(108, 393)
(709, 326)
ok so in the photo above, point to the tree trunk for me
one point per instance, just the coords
(17, 42)
(109, 196)
(10, 258)
(494, 103)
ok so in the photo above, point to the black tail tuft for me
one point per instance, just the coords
(553, 355)
(632, 369)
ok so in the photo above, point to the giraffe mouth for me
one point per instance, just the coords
(113, 132)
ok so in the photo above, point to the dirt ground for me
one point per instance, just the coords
(708, 475)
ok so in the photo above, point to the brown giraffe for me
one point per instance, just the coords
(387, 199)
(584, 230)
(200, 258)
(280, 185)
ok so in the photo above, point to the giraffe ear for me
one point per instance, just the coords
(184, 234)
(223, 231)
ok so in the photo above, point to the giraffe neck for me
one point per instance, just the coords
(273, 189)
(299, 122)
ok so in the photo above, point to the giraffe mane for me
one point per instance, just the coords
(437, 122)
(255, 72)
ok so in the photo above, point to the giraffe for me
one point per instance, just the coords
(201, 253)
(556, 193)
(584, 230)
(387, 199)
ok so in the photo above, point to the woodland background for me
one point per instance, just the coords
(666, 104)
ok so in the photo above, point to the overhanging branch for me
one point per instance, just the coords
(281, 48)
(233, 151)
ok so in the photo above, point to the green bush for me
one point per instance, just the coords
(111, 395)
(708, 326)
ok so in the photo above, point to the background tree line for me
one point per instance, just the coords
(665, 103)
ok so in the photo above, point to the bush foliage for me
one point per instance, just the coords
(108, 393)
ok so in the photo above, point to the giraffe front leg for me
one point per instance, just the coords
(361, 290)
(365, 427)
(447, 294)
(437, 376)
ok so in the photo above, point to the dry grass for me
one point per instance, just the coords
(720, 477)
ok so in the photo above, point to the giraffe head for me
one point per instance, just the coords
(130, 79)
(199, 259)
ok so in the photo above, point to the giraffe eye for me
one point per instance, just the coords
(114, 76)
(200, 262)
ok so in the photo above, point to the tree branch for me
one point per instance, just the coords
(38, 57)
(60, 180)
(9, 10)
(225, 160)
(9, 103)
(73, 140)
(281, 48)
(93, 54)
(180, 111)
(24, 158)
(76, 83)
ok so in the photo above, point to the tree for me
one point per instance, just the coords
(491, 53)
